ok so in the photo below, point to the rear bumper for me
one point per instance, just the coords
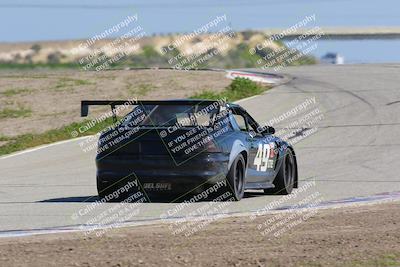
(204, 169)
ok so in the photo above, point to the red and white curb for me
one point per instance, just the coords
(260, 77)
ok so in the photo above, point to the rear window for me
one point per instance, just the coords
(172, 115)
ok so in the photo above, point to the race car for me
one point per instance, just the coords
(188, 146)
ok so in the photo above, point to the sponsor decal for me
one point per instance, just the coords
(157, 186)
(265, 157)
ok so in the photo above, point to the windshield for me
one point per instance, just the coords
(172, 115)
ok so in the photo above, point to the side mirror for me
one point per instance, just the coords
(268, 130)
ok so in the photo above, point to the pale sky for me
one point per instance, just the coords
(79, 19)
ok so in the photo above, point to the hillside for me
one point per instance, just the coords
(225, 49)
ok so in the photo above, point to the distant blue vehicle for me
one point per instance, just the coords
(332, 58)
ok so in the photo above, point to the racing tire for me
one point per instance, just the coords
(236, 178)
(285, 179)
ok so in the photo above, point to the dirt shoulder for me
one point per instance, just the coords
(356, 236)
(34, 101)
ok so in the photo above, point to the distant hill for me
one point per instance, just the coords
(227, 50)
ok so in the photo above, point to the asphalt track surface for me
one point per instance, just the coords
(354, 151)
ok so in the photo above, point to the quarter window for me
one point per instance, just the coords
(241, 121)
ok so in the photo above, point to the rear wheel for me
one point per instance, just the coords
(235, 178)
(285, 178)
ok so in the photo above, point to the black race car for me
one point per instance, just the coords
(188, 146)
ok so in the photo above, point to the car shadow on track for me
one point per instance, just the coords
(154, 199)
(254, 194)
(71, 199)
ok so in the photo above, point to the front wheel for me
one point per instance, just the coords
(235, 178)
(285, 178)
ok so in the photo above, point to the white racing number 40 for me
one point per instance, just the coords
(265, 157)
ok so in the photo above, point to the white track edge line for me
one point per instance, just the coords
(43, 146)
(172, 220)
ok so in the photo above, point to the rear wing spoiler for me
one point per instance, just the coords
(114, 103)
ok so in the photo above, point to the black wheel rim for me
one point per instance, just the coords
(289, 171)
(239, 177)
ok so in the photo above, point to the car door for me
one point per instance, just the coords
(263, 153)
(252, 141)
(242, 128)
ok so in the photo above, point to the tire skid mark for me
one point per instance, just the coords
(391, 103)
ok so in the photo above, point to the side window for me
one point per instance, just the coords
(241, 121)
(253, 125)
(253, 129)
